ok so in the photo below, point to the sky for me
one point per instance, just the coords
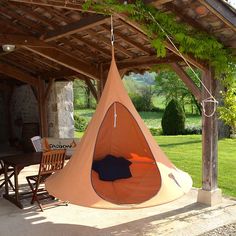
(233, 3)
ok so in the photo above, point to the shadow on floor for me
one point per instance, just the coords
(27, 221)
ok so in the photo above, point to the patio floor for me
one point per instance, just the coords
(181, 217)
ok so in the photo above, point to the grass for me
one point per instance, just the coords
(151, 119)
(186, 151)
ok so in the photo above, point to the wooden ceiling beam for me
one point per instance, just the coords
(188, 81)
(92, 88)
(49, 3)
(222, 11)
(31, 12)
(17, 74)
(9, 24)
(22, 40)
(83, 24)
(146, 61)
(62, 73)
(128, 40)
(108, 43)
(81, 52)
(15, 16)
(168, 45)
(93, 46)
(52, 53)
(17, 64)
(184, 17)
(65, 60)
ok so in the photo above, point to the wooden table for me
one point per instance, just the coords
(18, 162)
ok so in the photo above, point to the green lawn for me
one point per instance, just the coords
(185, 152)
(151, 119)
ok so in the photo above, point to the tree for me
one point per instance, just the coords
(82, 95)
(228, 111)
(140, 89)
(173, 120)
(170, 86)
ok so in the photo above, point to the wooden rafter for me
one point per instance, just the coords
(65, 60)
(20, 40)
(146, 61)
(93, 46)
(54, 54)
(83, 24)
(30, 12)
(179, 12)
(168, 45)
(108, 43)
(92, 88)
(62, 73)
(42, 108)
(57, 4)
(221, 11)
(128, 40)
(89, 84)
(188, 81)
(16, 17)
(17, 74)
(48, 89)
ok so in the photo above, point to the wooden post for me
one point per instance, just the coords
(209, 194)
(42, 108)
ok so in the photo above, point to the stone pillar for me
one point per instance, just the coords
(60, 110)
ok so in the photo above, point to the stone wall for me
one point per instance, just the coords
(4, 125)
(24, 109)
(60, 110)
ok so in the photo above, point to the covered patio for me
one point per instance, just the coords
(55, 42)
(182, 217)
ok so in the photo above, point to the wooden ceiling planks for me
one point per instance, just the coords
(65, 29)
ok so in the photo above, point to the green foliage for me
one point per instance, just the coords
(180, 151)
(193, 130)
(160, 47)
(140, 93)
(155, 131)
(170, 86)
(189, 40)
(142, 103)
(228, 111)
(82, 95)
(80, 123)
(173, 120)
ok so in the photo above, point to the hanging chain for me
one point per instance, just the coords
(211, 99)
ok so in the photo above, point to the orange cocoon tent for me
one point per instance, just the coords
(117, 129)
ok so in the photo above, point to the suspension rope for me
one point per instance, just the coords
(210, 99)
(112, 32)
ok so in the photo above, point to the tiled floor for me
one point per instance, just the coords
(181, 217)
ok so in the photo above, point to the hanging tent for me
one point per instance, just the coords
(117, 129)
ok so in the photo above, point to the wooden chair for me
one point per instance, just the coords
(10, 171)
(51, 162)
(36, 141)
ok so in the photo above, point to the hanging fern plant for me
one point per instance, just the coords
(189, 40)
